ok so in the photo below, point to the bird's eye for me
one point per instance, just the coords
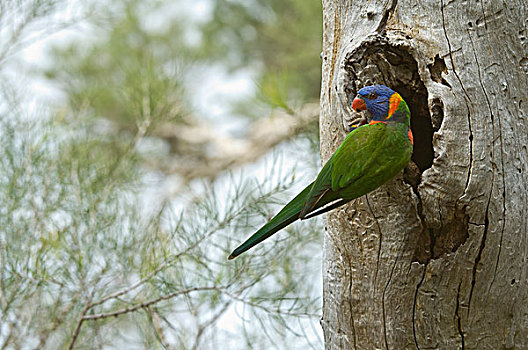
(372, 96)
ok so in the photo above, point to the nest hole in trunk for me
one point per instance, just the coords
(380, 61)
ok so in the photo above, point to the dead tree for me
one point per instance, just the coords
(437, 258)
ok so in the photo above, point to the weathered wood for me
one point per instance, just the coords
(436, 259)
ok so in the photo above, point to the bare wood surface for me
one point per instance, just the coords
(436, 259)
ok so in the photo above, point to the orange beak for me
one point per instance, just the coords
(358, 104)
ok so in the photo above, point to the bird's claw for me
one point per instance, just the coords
(357, 120)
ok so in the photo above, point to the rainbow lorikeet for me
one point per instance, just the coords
(368, 157)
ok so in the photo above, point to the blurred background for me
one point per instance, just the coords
(142, 141)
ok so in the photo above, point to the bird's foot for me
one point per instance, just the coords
(356, 120)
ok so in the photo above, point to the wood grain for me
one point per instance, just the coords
(441, 262)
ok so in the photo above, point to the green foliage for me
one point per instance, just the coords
(88, 259)
(78, 246)
(130, 77)
(280, 38)
(61, 210)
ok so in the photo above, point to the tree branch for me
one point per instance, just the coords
(147, 303)
(229, 152)
(79, 325)
(155, 318)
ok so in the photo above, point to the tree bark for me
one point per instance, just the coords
(436, 258)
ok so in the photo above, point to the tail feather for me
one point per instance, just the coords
(290, 213)
(334, 205)
(286, 216)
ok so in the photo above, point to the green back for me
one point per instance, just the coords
(368, 157)
(372, 157)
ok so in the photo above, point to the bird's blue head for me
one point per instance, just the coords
(381, 101)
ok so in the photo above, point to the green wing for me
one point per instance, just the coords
(357, 154)
(320, 188)
(351, 162)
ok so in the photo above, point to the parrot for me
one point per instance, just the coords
(369, 156)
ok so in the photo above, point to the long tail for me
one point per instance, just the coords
(286, 216)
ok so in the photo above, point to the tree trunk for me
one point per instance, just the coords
(436, 258)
